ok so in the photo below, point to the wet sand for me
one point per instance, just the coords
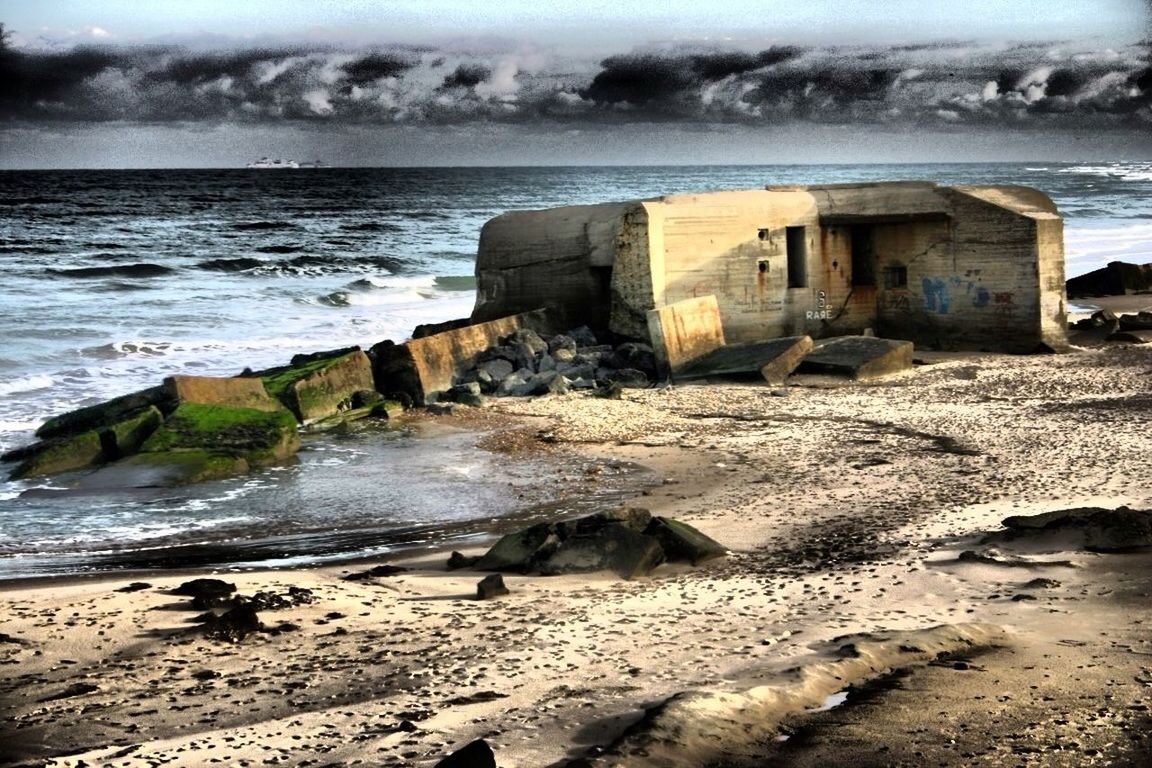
(846, 508)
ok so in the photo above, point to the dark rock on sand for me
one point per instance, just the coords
(234, 625)
(1092, 528)
(136, 586)
(475, 755)
(491, 586)
(76, 689)
(375, 572)
(456, 561)
(683, 543)
(205, 588)
(627, 541)
(615, 547)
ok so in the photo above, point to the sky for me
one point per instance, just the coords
(210, 83)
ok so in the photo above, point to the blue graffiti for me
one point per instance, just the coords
(936, 297)
(982, 297)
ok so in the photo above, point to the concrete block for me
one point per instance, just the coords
(858, 357)
(775, 359)
(235, 391)
(684, 331)
(422, 367)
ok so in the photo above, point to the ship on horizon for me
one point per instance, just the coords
(267, 162)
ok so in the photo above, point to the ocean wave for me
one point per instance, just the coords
(456, 282)
(351, 299)
(1121, 171)
(117, 286)
(120, 270)
(238, 264)
(118, 349)
(25, 384)
(373, 226)
(324, 264)
(279, 249)
(251, 226)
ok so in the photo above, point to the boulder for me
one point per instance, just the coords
(614, 547)
(474, 755)
(636, 356)
(1098, 529)
(520, 551)
(682, 543)
(205, 587)
(562, 342)
(1141, 321)
(629, 378)
(234, 625)
(490, 587)
(627, 541)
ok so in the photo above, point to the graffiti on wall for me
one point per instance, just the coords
(940, 293)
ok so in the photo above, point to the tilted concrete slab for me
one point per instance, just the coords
(858, 357)
(422, 367)
(774, 359)
(684, 331)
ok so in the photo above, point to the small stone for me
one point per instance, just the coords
(491, 586)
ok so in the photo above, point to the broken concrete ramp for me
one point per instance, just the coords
(774, 359)
(858, 357)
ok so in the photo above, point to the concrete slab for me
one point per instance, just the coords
(684, 331)
(774, 359)
(858, 357)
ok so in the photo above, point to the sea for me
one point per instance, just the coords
(111, 280)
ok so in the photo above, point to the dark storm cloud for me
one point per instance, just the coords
(466, 76)
(373, 67)
(952, 83)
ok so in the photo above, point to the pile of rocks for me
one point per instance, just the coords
(526, 364)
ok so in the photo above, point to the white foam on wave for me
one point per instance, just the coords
(1122, 171)
(26, 384)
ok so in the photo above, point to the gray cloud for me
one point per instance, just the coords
(945, 83)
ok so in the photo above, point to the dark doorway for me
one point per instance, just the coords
(863, 256)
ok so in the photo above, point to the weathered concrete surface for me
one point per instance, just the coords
(108, 412)
(774, 359)
(420, 368)
(238, 391)
(86, 449)
(560, 258)
(968, 267)
(322, 392)
(858, 357)
(684, 331)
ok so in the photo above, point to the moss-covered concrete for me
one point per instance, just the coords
(107, 413)
(259, 437)
(319, 386)
(88, 448)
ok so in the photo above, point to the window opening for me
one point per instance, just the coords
(796, 245)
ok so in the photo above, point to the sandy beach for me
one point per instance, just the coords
(846, 507)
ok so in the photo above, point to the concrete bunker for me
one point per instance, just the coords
(964, 267)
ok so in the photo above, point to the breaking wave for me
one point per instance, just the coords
(120, 270)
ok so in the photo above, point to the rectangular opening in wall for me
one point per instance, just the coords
(895, 276)
(796, 245)
(863, 256)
